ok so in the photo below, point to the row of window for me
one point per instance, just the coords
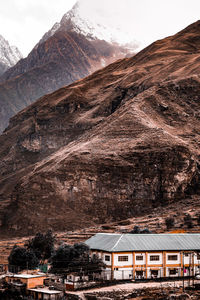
(140, 257)
(157, 257)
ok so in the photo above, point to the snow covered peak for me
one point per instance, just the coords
(9, 55)
(94, 21)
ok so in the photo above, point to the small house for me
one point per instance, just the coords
(27, 280)
(45, 294)
(75, 281)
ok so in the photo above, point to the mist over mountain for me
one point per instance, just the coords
(84, 18)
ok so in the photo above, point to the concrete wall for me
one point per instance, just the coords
(123, 263)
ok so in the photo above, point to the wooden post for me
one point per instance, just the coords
(164, 263)
(183, 272)
(134, 265)
(146, 263)
(112, 266)
(182, 264)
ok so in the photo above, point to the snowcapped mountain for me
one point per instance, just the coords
(9, 55)
(85, 18)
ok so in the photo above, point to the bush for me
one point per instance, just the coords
(145, 230)
(188, 221)
(136, 230)
(169, 222)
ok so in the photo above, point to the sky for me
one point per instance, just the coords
(24, 22)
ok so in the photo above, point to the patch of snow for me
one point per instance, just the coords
(83, 18)
(103, 63)
(9, 55)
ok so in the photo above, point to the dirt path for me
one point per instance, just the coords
(133, 286)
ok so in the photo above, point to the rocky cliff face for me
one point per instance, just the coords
(9, 55)
(107, 147)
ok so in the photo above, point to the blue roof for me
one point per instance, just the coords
(111, 242)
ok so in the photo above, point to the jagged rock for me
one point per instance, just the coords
(9, 55)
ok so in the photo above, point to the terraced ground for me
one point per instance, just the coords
(155, 222)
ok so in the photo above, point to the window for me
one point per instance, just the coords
(139, 273)
(154, 273)
(122, 258)
(107, 258)
(139, 257)
(172, 271)
(172, 257)
(154, 257)
(198, 256)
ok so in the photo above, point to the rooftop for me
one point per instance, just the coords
(111, 242)
(45, 291)
(26, 276)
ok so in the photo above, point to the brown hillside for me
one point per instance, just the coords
(107, 147)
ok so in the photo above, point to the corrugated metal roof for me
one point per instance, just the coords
(144, 242)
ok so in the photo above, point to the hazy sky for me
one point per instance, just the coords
(23, 22)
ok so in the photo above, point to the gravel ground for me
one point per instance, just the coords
(133, 286)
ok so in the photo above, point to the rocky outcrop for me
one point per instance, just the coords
(107, 147)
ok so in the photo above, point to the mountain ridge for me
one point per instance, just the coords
(63, 58)
(75, 20)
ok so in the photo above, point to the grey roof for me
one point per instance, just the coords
(144, 242)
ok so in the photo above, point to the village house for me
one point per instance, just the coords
(146, 256)
(27, 280)
(76, 281)
(45, 293)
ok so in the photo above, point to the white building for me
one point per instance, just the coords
(132, 256)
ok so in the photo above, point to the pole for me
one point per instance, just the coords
(183, 272)
(193, 269)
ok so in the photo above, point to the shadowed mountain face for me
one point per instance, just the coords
(107, 147)
(60, 60)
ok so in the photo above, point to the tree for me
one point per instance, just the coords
(20, 258)
(42, 245)
(75, 258)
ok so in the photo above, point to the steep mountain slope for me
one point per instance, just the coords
(60, 58)
(9, 55)
(107, 147)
